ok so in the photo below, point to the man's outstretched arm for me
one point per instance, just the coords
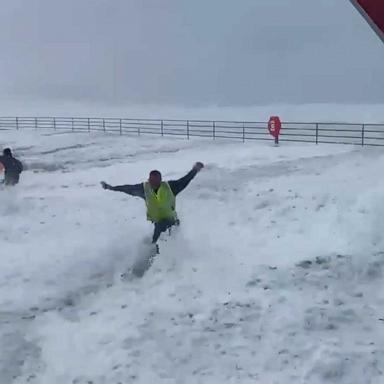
(133, 190)
(179, 185)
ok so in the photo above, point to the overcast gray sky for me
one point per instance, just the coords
(189, 52)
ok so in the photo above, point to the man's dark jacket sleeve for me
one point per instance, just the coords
(178, 185)
(20, 166)
(133, 190)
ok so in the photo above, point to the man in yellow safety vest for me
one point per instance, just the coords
(160, 197)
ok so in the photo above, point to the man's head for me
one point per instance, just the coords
(7, 152)
(154, 179)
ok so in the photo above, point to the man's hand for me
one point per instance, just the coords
(105, 185)
(198, 166)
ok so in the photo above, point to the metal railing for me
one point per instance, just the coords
(330, 133)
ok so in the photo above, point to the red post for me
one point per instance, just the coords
(274, 127)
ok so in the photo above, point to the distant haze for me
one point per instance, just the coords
(189, 52)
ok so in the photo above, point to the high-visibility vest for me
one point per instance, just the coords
(161, 204)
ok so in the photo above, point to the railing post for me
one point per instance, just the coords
(214, 130)
(73, 124)
(362, 134)
(138, 130)
(17, 123)
(188, 129)
(121, 130)
(317, 133)
(35, 122)
(89, 124)
(162, 127)
(103, 124)
(243, 132)
(54, 123)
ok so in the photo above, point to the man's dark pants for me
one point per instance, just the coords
(161, 226)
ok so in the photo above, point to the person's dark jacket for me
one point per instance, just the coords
(12, 169)
(138, 189)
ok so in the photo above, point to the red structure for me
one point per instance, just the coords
(373, 12)
(274, 127)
